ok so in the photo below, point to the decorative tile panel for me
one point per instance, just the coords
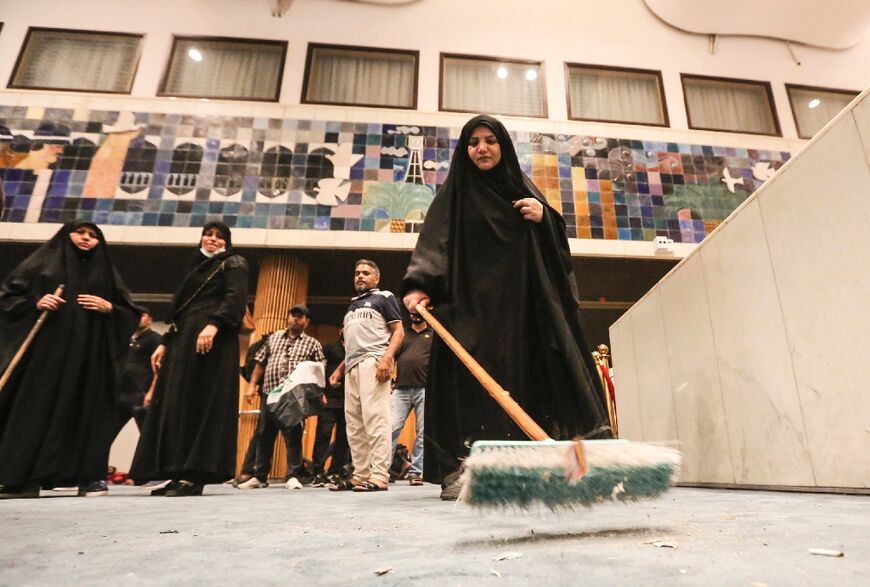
(164, 169)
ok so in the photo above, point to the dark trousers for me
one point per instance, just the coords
(326, 420)
(267, 431)
(130, 406)
(251, 454)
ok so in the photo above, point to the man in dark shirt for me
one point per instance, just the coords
(331, 416)
(410, 392)
(137, 376)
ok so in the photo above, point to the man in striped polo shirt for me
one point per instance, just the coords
(372, 335)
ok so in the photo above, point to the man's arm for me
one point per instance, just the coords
(256, 377)
(385, 364)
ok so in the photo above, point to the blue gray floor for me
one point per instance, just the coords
(275, 536)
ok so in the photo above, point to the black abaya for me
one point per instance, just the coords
(505, 288)
(57, 412)
(191, 427)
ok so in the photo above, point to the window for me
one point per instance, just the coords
(79, 61)
(813, 108)
(233, 69)
(730, 105)
(359, 76)
(492, 85)
(615, 94)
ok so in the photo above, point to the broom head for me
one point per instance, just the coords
(565, 474)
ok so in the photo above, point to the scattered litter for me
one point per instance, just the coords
(496, 573)
(350, 515)
(507, 556)
(730, 517)
(683, 571)
(662, 543)
(826, 552)
(169, 531)
(761, 540)
(383, 570)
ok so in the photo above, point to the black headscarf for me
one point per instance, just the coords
(57, 262)
(200, 267)
(504, 286)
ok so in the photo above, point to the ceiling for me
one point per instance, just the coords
(831, 24)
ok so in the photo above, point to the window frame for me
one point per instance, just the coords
(764, 84)
(472, 57)
(164, 79)
(30, 30)
(789, 87)
(309, 61)
(657, 73)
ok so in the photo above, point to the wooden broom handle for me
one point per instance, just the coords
(504, 399)
(23, 348)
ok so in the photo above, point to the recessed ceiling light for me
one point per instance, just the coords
(195, 54)
(814, 103)
(531, 75)
(501, 72)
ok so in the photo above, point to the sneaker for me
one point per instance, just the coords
(95, 489)
(293, 483)
(415, 480)
(451, 486)
(320, 481)
(252, 483)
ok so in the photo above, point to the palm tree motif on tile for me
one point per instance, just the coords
(403, 204)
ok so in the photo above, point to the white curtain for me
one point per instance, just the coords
(729, 106)
(811, 120)
(366, 78)
(78, 61)
(473, 85)
(228, 69)
(601, 94)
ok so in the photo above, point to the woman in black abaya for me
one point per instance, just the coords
(57, 411)
(493, 259)
(189, 434)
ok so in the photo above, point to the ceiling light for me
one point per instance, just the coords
(195, 54)
(814, 103)
(501, 72)
(531, 75)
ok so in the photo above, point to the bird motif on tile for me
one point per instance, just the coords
(331, 191)
(342, 159)
(729, 181)
(762, 171)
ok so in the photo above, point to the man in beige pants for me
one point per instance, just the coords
(372, 335)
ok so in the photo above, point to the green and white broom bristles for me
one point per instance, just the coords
(526, 474)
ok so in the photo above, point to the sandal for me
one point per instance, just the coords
(367, 486)
(341, 485)
(415, 481)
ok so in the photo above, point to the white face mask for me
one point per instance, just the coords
(210, 255)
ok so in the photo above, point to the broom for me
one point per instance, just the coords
(556, 474)
(7, 375)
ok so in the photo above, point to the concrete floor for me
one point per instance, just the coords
(312, 536)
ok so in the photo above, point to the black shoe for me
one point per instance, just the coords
(19, 492)
(162, 490)
(451, 486)
(185, 489)
(95, 489)
(320, 480)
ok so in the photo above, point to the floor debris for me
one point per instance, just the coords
(383, 570)
(507, 556)
(826, 552)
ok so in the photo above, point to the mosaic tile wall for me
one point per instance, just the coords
(155, 169)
